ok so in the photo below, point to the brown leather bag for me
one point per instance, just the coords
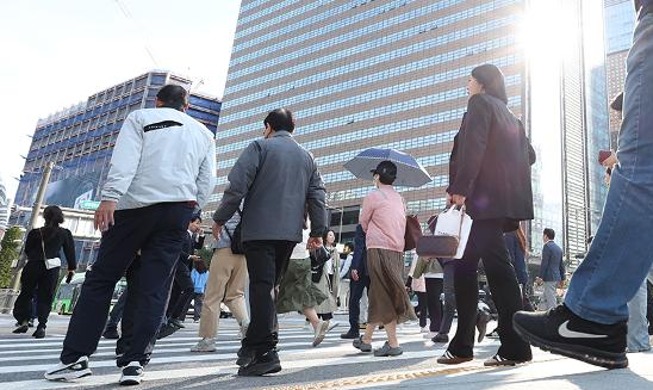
(437, 246)
(413, 232)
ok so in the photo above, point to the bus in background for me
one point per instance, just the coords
(68, 293)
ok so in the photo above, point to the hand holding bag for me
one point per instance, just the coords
(450, 237)
(49, 263)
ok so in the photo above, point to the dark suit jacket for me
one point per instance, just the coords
(490, 162)
(359, 260)
(552, 268)
(516, 257)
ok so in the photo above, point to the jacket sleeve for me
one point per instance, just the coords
(546, 259)
(344, 271)
(33, 245)
(69, 250)
(563, 273)
(206, 178)
(518, 260)
(125, 159)
(316, 202)
(240, 178)
(473, 138)
(359, 244)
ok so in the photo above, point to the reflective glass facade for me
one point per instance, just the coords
(360, 74)
(80, 140)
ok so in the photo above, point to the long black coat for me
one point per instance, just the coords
(490, 162)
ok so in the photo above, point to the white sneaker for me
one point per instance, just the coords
(424, 330)
(320, 332)
(132, 374)
(204, 345)
(64, 372)
(430, 335)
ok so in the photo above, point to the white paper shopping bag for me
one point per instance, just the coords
(455, 222)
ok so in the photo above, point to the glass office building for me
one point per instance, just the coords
(80, 139)
(360, 74)
(365, 73)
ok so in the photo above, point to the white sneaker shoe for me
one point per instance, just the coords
(64, 372)
(132, 374)
(320, 332)
(204, 345)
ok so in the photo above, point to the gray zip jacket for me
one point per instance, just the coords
(161, 155)
(279, 181)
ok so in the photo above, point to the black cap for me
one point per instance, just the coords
(386, 169)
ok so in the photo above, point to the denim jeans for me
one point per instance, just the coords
(638, 340)
(621, 254)
(550, 296)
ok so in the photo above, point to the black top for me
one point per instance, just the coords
(54, 239)
(490, 162)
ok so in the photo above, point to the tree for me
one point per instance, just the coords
(10, 250)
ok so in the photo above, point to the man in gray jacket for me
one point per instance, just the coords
(552, 269)
(162, 168)
(279, 182)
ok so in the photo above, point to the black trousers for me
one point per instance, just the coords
(36, 278)
(486, 241)
(266, 262)
(156, 230)
(356, 289)
(449, 298)
(117, 311)
(182, 293)
(433, 292)
(422, 308)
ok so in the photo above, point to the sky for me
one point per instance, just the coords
(57, 53)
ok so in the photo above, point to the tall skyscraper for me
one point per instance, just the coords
(619, 25)
(361, 74)
(80, 139)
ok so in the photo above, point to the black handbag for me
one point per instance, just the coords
(318, 257)
(236, 237)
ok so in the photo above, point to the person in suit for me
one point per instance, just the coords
(552, 270)
(489, 174)
(359, 281)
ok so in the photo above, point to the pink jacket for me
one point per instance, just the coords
(383, 219)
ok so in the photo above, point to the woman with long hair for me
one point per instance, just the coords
(489, 174)
(41, 245)
(327, 281)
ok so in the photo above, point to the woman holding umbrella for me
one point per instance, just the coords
(383, 218)
(489, 174)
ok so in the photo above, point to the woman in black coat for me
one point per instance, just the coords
(41, 244)
(490, 175)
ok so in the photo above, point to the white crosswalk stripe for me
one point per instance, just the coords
(23, 359)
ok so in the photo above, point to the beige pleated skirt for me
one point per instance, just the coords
(388, 299)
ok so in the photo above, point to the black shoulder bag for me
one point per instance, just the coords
(236, 237)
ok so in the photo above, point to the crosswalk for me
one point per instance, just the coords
(23, 359)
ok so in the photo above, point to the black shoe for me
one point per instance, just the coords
(440, 338)
(39, 333)
(21, 328)
(30, 323)
(267, 363)
(176, 323)
(245, 356)
(132, 374)
(111, 334)
(350, 335)
(561, 331)
(166, 331)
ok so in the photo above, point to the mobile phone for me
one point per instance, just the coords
(603, 155)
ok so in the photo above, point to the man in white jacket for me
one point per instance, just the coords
(162, 168)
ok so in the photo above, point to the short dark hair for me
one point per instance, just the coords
(280, 119)
(53, 216)
(387, 171)
(550, 233)
(195, 218)
(173, 96)
(492, 80)
(350, 245)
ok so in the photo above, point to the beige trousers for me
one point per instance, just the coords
(227, 277)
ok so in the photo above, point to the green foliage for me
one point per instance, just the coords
(206, 254)
(10, 251)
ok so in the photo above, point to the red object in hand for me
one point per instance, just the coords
(603, 155)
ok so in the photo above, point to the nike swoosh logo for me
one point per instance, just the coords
(564, 331)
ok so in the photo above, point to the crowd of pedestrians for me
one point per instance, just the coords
(271, 240)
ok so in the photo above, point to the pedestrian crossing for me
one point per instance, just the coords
(23, 359)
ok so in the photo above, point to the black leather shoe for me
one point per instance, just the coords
(22, 328)
(267, 363)
(350, 335)
(39, 333)
(111, 334)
